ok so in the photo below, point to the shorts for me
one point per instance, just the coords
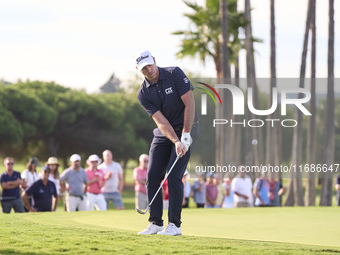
(115, 198)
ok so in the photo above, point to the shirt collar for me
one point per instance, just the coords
(161, 77)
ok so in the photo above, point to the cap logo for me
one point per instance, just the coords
(141, 58)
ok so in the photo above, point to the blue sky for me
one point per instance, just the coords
(79, 44)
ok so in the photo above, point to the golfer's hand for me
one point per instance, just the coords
(186, 140)
(180, 148)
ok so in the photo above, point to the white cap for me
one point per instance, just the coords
(94, 157)
(143, 58)
(75, 157)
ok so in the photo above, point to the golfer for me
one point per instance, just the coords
(166, 95)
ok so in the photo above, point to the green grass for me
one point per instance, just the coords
(213, 231)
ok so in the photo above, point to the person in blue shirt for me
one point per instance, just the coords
(166, 95)
(261, 191)
(44, 194)
(11, 184)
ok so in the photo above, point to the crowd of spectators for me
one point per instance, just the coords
(101, 182)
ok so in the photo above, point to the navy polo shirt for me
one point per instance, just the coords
(42, 195)
(10, 194)
(165, 95)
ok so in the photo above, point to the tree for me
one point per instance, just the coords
(111, 86)
(204, 35)
(328, 157)
(310, 188)
(294, 193)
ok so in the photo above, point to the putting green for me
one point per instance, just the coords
(300, 225)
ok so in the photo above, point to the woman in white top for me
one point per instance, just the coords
(54, 176)
(30, 175)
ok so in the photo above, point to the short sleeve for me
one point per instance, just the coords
(30, 190)
(85, 177)
(24, 175)
(55, 193)
(63, 176)
(182, 82)
(259, 183)
(120, 169)
(338, 180)
(2, 178)
(148, 106)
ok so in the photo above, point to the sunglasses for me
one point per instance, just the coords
(10, 163)
(146, 160)
(47, 171)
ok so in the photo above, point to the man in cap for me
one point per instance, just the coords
(11, 183)
(44, 194)
(96, 178)
(76, 180)
(166, 95)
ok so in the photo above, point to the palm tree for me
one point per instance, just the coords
(328, 157)
(310, 188)
(204, 35)
(294, 195)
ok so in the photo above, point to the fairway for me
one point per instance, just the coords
(205, 231)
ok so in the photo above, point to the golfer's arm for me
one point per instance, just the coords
(164, 126)
(189, 111)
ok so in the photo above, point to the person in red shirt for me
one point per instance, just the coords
(95, 198)
(139, 174)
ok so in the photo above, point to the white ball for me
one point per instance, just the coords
(254, 142)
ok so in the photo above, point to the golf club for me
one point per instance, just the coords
(166, 176)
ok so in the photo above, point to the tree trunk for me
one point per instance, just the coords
(251, 84)
(296, 158)
(329, 146)
(52, 145)
(310, 188)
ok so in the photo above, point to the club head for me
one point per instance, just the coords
(141, 212)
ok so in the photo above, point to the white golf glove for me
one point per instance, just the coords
(186, 140)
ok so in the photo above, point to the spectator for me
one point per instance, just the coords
(198, 189)
(211, 191)
(30, 175)
(228, 201)
(139, 174)
(53, 165)
(114, 181)
(276, 191)
(96, 180)
(261, 191)
(220, 190)
(187, 190)
(76, 186)
(11, 183)
(337, 188)
(43, 192)
(242, 185)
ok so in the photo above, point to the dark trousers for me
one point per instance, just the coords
(161, 157)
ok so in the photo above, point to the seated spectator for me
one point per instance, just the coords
(11, 183)
(261, 191)
(228, 201)
(198, 190)
(276, 191)
(220, 190)
(43, 192)
(114, 181)
(30, 175)
(76, 185)
(96, 178)
(211, 191)
(337, 188)
(242, 185)
(187, 190)
(139, 174)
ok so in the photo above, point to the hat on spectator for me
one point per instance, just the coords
(210, 174)
(52, 161)
(34, 161)
(44, 168)
(75, 157)
(94, 157)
